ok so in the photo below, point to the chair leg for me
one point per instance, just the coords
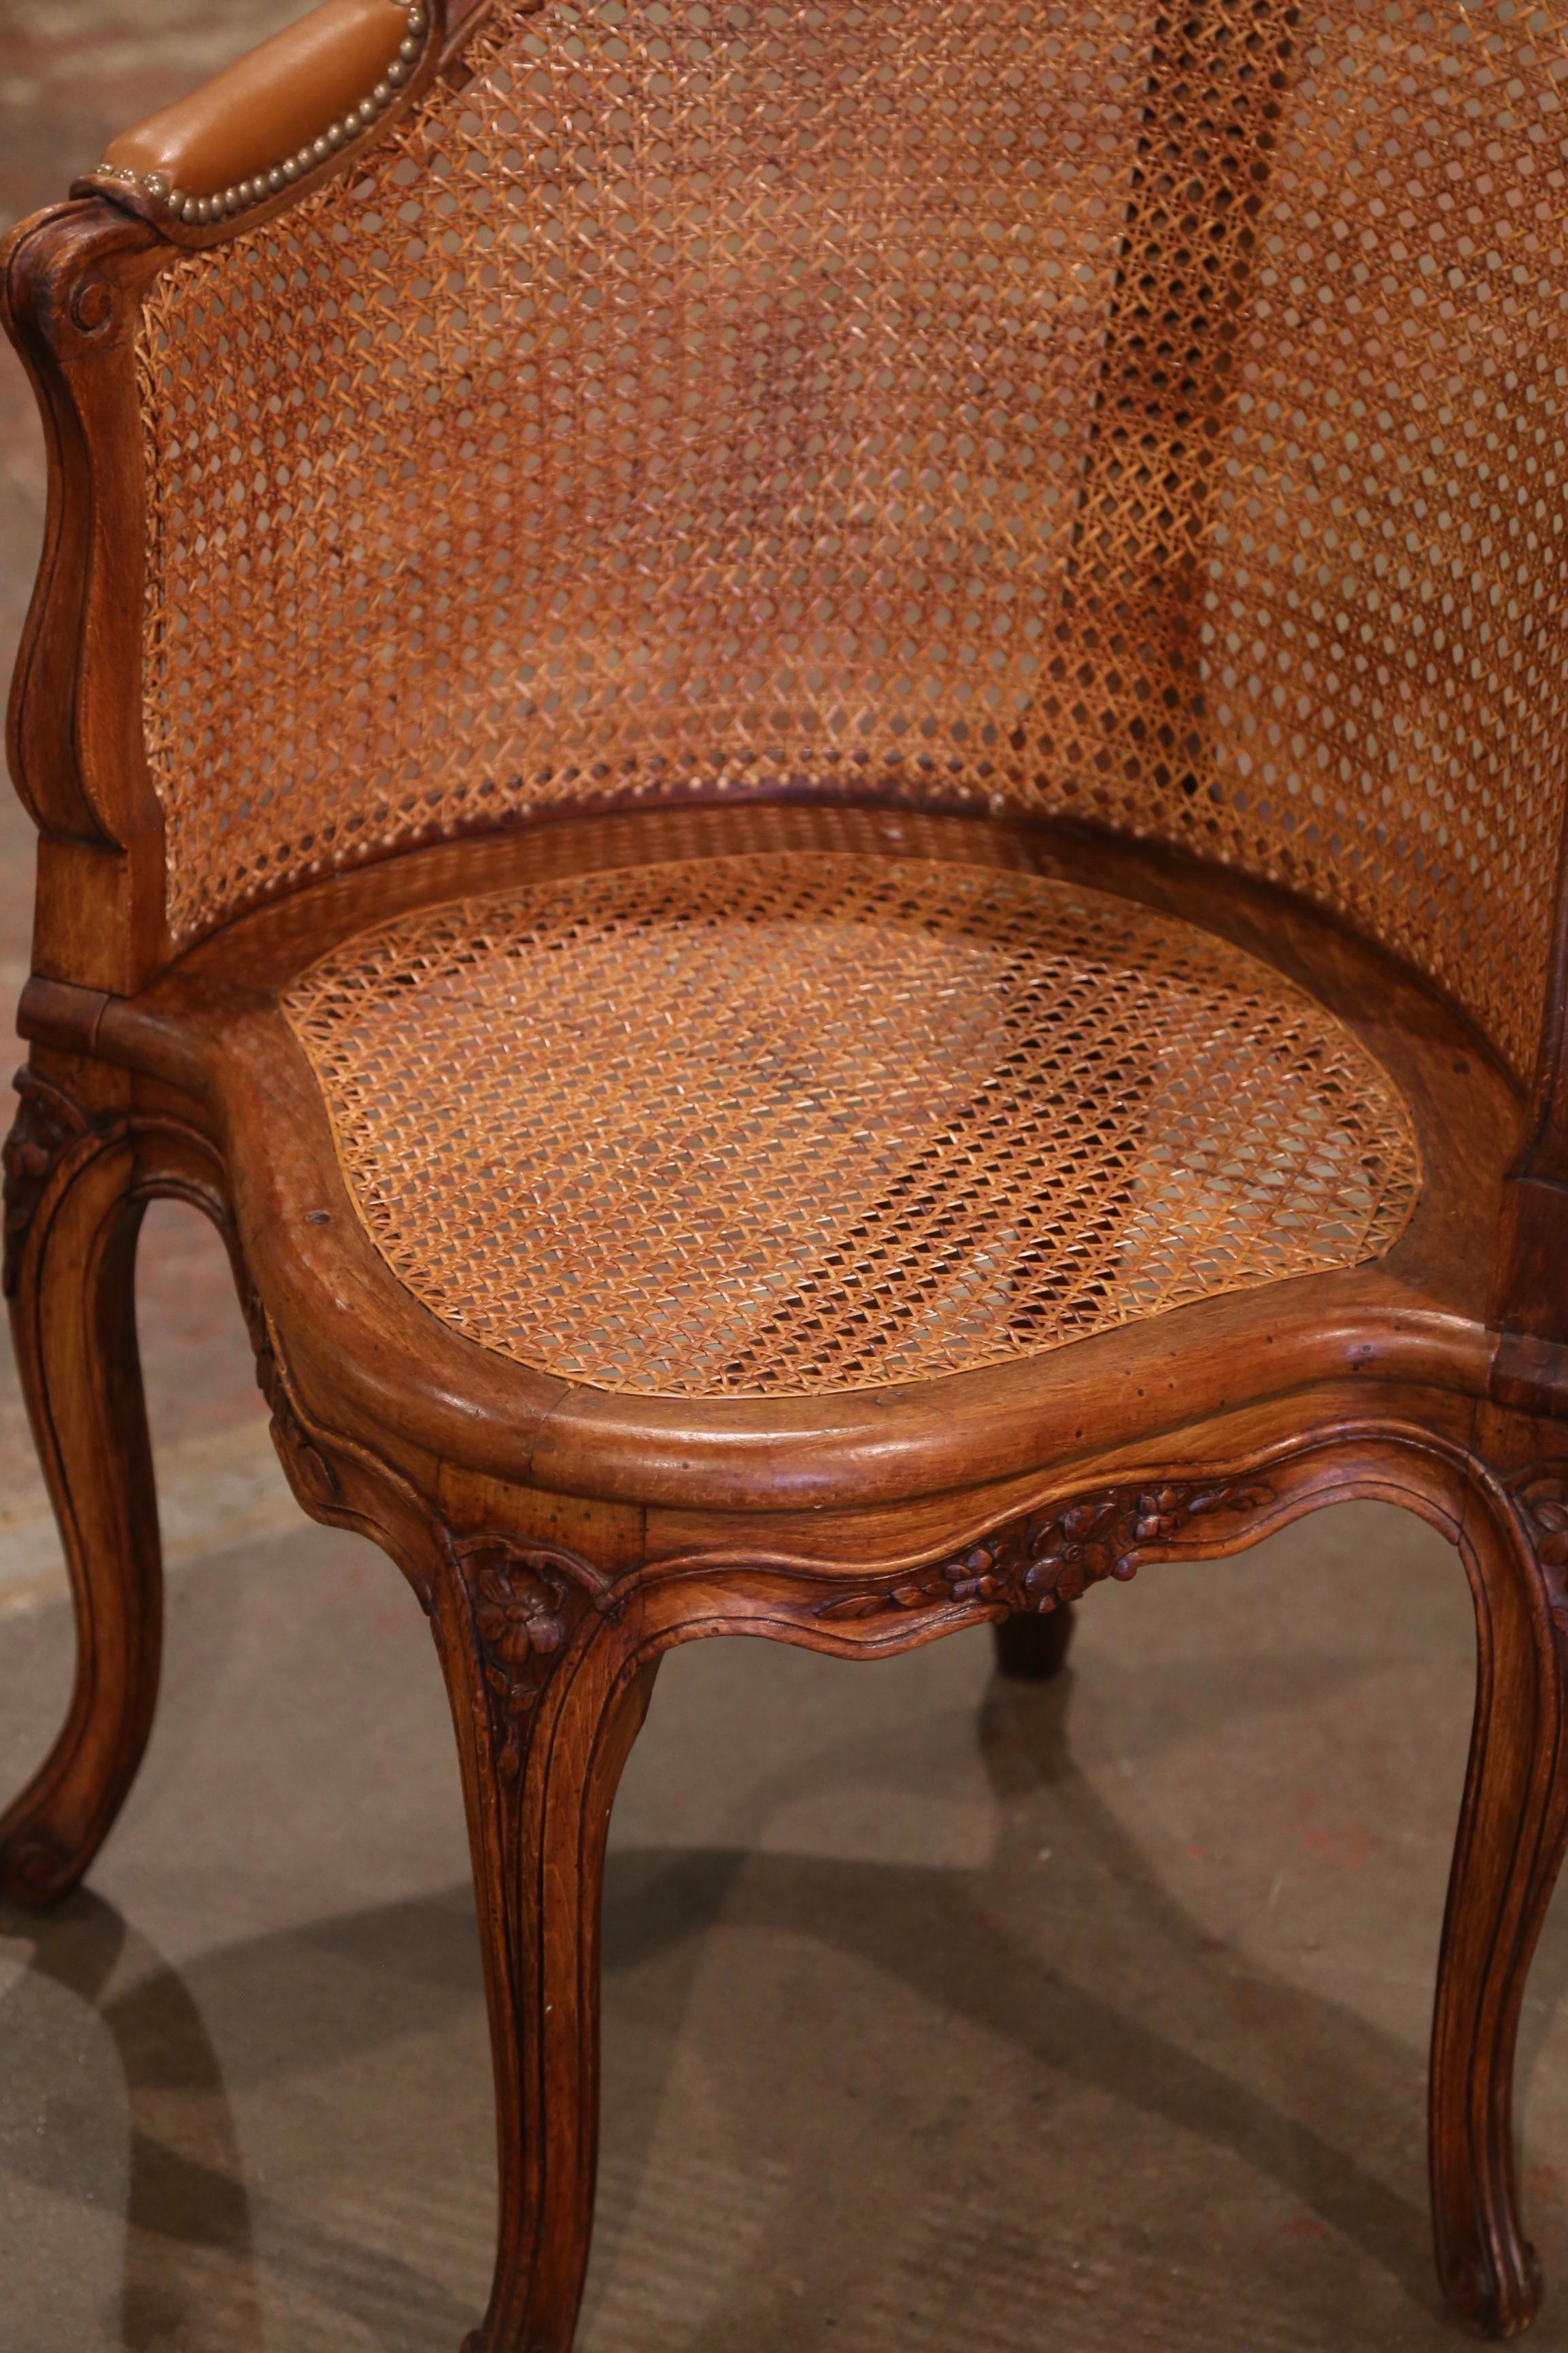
(74, 1320)
(1512, 1827)
(1032, 1645)
(546, 1710)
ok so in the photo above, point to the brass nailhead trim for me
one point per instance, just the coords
(197, 212)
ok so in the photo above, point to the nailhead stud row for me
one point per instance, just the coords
(198, 211)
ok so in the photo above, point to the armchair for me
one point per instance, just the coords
(812, 764)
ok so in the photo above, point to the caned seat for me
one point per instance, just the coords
(813, 761)
(771, 1125)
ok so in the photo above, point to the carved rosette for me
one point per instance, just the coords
(48, 1123)
(1035, 1562)
(524, 1601)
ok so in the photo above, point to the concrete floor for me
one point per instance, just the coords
(939, 2014)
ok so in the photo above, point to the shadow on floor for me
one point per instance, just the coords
(1192, 2036)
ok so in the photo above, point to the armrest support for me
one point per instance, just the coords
(1530, 1272)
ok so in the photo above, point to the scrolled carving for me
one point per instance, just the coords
(524, 1600)
(1045, 1557)
(313, 1475)
(48, 1123)
(92, 305)
(1540, 1495)
(35, 1868)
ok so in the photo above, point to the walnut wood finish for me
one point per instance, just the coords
(561, 1538)
(77, 1181)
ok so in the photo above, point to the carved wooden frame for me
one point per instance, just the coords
(550, 1614)
(559, 1541)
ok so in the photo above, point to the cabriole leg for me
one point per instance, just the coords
(1032, 1645)
(546, 1709)
(71, 1278)
(1510, 1841)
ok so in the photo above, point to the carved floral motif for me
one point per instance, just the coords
(524, 1601)
(48, 1123)
(1047, 1558)
(1541, 1495)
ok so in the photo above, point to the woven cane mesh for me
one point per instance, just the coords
(1151, 417)
(779, 1124)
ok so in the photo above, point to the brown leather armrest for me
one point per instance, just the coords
(245, 143)
(279, 100)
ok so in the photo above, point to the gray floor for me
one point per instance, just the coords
(940, 2013)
